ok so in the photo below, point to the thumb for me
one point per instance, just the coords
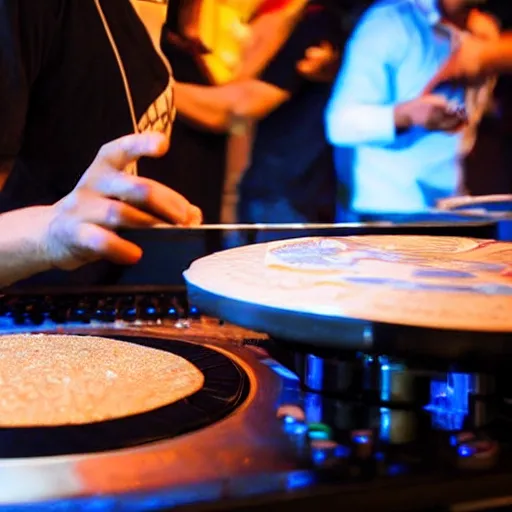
(122, 152)
(316, 52)
(435, 100)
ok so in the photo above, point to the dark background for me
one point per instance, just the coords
(488, 166)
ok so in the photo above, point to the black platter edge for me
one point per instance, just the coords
(225, 388)
(476, 349)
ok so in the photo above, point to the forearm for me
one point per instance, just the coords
(203, 105)
(21, 252)
(217, 107)
(354, 125)
(497, 56)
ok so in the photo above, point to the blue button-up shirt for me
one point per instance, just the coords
(395, 51)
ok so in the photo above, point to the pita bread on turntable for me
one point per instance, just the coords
(437, 282)
(50, 380)
(333, 254)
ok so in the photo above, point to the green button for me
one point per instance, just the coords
(319, 431)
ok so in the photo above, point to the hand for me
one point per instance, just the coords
(464, 66)
(432, 112)
(80, 227)
(320, 63)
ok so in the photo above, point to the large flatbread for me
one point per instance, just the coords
(438, 282)
(49, 380)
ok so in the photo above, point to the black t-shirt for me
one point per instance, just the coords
(291, 157)
(197, 157)
(62, 94)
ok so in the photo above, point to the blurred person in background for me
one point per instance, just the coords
(471, 63)
(474, 60)
(290, 177)
(408, 146)
(205, 76)
(493, 149)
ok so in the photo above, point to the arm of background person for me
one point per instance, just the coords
(269, 31)
(474, 61)
(361, 108)
(27, 29)
(320, 63)
(496, 57)
(483, 25)
(214, 107)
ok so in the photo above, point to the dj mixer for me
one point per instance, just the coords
(360, 415)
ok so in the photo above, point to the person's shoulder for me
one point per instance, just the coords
(384, 11)
(383, 18)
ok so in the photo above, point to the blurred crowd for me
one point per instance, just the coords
(301, 123)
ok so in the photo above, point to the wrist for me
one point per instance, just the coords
(23, 248)
(402, 116)
(38, 237)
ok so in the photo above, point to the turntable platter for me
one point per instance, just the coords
(50, 380)
(337, 283)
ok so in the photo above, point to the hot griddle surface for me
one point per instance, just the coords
(450, 314)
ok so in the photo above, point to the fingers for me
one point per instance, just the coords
(319, 52)
(126, 150)
(106, 199)
(195, 216)
(446, 121)
(104, 177)
(89, 237)
(71, 242)
(451, 125)
(305, 66)
(316, 57)
(82, 230)
(110, 213)
(154, 197)
(92, 242)
(88, 207)
(437, 101)
(168, 205)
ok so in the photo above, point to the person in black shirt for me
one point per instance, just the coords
(291, 177)
(74, 75)
(202, 152)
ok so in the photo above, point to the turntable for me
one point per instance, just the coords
(330, 410)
